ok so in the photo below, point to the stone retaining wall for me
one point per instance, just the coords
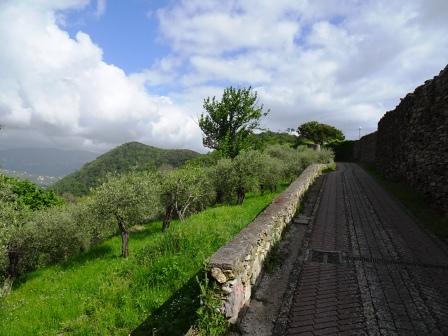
(237, 265)
(412, 142)
(364, 149)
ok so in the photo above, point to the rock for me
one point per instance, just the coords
(218, 275)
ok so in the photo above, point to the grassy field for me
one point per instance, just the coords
(413, 201)
(153, 292)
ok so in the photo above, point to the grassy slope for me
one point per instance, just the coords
(99, 293)
(412, 200)
(132, 155)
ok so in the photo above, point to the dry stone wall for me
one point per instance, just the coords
(364, 150)
(412, 141)
(236, 266)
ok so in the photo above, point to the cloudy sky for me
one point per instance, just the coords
(94, 74)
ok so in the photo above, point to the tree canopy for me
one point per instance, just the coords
(184, 191)
(29, 194)
(125, 200)
(319, 133)
(229, 121)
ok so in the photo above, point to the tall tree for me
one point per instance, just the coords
(229, 121)
(319, 133)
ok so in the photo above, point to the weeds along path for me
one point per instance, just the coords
(369, 268)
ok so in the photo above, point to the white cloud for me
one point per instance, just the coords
(60, 87)
(341, 62)
(100, 7)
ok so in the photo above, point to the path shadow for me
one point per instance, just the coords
(176, 315)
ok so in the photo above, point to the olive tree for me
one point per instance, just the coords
(183, 191)
(291, 165)
(13, 216)
(229, 122)
(126, 200)
(247, 170)
(271, 173)
(225, 180)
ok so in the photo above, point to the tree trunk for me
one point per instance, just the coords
(13, 267)
(219, 197)
(124, 238)
(241, 194)
(125, 243)
(168, 217)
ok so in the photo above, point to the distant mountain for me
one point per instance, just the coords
(132, 155)
(41, 180)
(44, 161)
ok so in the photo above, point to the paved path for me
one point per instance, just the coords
(369, 268)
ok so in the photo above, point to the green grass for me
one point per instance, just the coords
(153, 292)
(434, 221)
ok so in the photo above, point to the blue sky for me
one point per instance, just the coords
(92, 74)
(126, 31)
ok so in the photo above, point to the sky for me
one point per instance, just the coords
(80, 74)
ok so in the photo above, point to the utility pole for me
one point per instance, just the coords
(359, 135)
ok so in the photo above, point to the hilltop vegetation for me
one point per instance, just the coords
(130, 156)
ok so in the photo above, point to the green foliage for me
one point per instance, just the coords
(125, 200)
(330, 167)
(12, 219)
(185, 191)
(208, 160)
(225, 180)
(210, 321)
(289, 158)
(131, 156)
(271, 174)
(343, 150)
(98, 293)
(29, 194)
(229, 122)
(247, 169)
(319, 133)
(30, 240)
(294, 161)
(18, 235)
(268, 138)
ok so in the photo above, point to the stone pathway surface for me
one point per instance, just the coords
(369, 269)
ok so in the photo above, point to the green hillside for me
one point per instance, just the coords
(129, 156)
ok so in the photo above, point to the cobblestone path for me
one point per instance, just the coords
(369, 269)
